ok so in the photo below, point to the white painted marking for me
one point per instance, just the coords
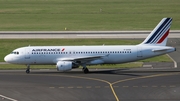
(147, 66)
(8, 98)
(175, 63)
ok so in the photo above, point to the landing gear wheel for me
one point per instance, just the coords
(86, 70)
(27, 71)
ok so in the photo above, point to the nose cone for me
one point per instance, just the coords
(7, 58)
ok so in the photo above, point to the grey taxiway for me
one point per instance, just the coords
(98, 85)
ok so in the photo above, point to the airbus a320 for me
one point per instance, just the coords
(69, 57)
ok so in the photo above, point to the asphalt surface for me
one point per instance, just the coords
(175, 42)
(139, 84)
(79, 34)
(127, 85)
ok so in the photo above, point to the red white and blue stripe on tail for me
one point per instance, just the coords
(159, 35)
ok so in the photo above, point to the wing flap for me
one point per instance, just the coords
(83, 58)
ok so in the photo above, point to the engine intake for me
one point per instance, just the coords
(66, 65)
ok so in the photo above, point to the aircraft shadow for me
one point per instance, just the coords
(127, 72)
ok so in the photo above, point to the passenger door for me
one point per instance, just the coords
(27, 53)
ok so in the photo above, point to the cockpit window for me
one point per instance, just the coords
(14, 52)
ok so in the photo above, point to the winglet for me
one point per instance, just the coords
(159, 35)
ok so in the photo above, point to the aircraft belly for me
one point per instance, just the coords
(117, 59)
(41, 60)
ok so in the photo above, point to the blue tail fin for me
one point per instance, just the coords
(159, 35)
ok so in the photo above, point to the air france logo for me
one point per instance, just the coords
(63, 49)
(48, 50)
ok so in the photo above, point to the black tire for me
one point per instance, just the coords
(27, 71)
(86, 70)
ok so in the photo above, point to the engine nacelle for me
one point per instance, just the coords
(65, 65)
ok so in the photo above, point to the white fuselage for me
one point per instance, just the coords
(50, 55)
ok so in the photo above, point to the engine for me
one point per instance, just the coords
(66, 65)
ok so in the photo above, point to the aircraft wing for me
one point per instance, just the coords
(83, 58)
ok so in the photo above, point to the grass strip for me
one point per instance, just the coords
(83, 15)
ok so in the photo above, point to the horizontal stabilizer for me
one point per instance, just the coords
(160, 50)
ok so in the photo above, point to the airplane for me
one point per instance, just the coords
(69, 57)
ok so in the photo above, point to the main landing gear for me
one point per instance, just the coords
(28, 69)
(85, 69)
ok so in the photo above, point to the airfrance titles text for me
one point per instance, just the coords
(45, 50)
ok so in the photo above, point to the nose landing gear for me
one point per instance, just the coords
(28, 69)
